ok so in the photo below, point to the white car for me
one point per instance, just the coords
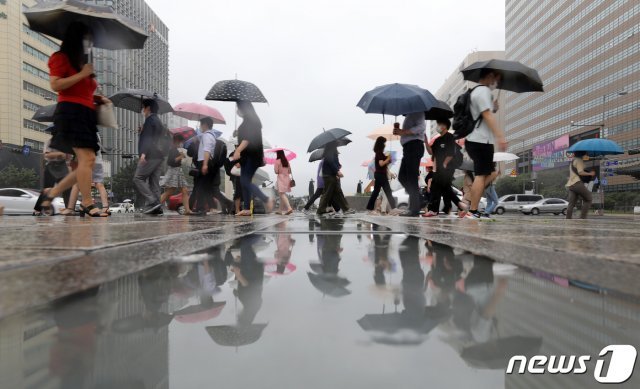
(555, 206)
(122, 208)
(18, 201)
(402, 198)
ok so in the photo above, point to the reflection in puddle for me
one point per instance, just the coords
(373, 309)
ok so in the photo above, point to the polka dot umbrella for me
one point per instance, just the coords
(235, 90)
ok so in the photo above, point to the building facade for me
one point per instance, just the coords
(588, 56)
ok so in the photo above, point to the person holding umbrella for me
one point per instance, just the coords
(576, 186)
(147, 176)
(381, 179)
(75, 118)
(250, 153)
(282, 168)
(411, 138)
(331, 175)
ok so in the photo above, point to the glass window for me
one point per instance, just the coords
(510, 198)
(11, 192)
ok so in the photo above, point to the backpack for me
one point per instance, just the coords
(463, 121)
(165, 141)
(458, 157)
(218, 156)
(192, 149)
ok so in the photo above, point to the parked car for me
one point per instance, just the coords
(512, 202)
(18, 201)
(555, 206)
(122, 208)
(402, 199)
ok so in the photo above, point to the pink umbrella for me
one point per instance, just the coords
(186, 132)
(271, 268)
(197, 111)
(433, 139)
(199, 313)
(270, 155)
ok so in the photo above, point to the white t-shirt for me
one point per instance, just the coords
(481, 100)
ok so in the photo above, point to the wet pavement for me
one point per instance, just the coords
(307, 302)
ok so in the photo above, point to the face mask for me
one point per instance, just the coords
(494, 85)
(87, 44)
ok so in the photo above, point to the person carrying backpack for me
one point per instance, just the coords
(444, 152)
(151, 152)
(475, 119)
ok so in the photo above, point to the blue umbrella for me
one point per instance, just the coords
(397, 99)
(597, 147)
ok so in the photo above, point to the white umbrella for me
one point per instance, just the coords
(504, 157)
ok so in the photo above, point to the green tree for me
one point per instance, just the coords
(509, 185)
(11, 176)
(122, 181)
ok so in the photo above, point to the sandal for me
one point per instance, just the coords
(67, 212)
(42, 209)
(244, 213)
(106, 210)
(289, 212)
(87, 211)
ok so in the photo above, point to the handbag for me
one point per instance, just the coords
(106, 116)
(584, 179)
(194, 172)
(292, 183)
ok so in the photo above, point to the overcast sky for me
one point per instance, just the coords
(314, 60)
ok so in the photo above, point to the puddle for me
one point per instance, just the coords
(356, 307)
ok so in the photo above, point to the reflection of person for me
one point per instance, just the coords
(284, 248)
(576, 187)
(413, 278)
(249, 273)
(381, 256)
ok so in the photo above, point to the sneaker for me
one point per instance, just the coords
(485, 216)
(430, 214)
(471, 215)
(151, 209)
(409, 214)
(349, 212)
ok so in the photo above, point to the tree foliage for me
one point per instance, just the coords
(12, 176)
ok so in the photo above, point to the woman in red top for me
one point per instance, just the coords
(75, 119)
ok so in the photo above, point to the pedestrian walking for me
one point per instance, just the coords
(75, 119)
(55, 169)
(331, 175)
(147, 175)
(480, 143)
(232, 168)
(576, 185)
(443, 151)
(319, 190)
(282, 168)
(491, 194)
(411, 138)
(250, 153)
(381, 178)
(175, 180)
(97, 180)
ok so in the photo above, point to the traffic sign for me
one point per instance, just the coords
(604, 181)
(596, 180)
(26, 150)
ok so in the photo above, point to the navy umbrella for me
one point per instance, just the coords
(326, 137)
(111, 30)
(131, 99)
(45, 114)
(441, 111)
(234, 336)
(516, 77)
(235, 90)
(329, 284)
(397, 99)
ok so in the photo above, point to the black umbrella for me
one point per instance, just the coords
(327, 137)
(235, 90)
(516, 77)
(330, 284)
(155, 321)
(496, 354)
(397, 99)
(441, 111)
(110, 30)
(235, 336)
(131, 99)
(45, 114)
(319, 154)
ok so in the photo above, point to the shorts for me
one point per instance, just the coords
(482, 156)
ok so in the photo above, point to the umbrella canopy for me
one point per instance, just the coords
(597, 147)
(235, 90)
(316, 155)
(327, 137)
(235, 336)
(270, 155)
(131, 99)
(199, 313)
(155, 321)
(397, 99)
(385, 132)
(442, 110)
(504, 157)
(197, 111)
(330, 285)
(110, 30)
(496, 354)
(516, 77)
(45, 114)
(186, 132)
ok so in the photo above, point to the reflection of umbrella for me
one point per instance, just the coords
(330, 285)
(441, 111)
(496, 354)
(516, 77)
(327, 137)
(393, 322)
(45, 114)
(235, 90)
(197, 111)
(131, 99)
(186, 132)
(199, 313)
(156, 321)
(385, 132)
(110, 30)
(467, 165)
(235, 336)
(597, 147)
(270, 155)
(397, 99)
(504, 157)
